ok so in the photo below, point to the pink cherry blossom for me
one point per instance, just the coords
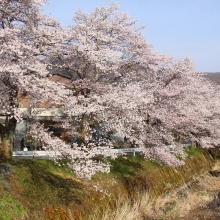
(117, 86)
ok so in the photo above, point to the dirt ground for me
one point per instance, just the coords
(202, 213)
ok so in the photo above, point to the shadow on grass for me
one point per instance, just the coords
(126, 166)
(41, 179)
(131, 165)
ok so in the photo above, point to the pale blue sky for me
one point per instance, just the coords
(175, 27)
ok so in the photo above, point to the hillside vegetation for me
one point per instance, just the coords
(214, 77)
(41, 189)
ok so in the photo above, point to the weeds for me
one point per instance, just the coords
(176, 205)
(10, 208)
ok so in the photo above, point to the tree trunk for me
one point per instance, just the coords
(85, 129)
(180, 139)
(192, 143)
(7, 132)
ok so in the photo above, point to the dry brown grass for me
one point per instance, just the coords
(198, 194)
(125, 210)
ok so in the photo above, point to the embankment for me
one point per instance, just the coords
(43, 190)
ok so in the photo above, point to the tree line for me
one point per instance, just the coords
(116, 79)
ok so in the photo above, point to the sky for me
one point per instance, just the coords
(180, 28)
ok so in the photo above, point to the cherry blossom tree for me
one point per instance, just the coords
(26, 36)
(117, 83)
(142, 95)
(179, 100)
(101, 50)
(29, 40)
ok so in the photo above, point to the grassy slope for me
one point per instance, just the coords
(42, 190)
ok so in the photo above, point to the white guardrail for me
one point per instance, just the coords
(128, 150)
(45, 154)
(30, 154)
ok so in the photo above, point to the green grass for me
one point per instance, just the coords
(37, 186)
(10, 208)
(44, 179)
(41, 186)
(194, 152)
(131, 165)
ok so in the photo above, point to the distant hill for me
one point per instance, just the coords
(214, 77)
